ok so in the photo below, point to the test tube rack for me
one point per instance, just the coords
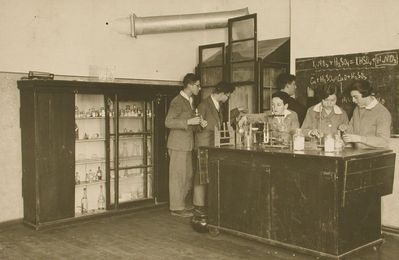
(224, 135)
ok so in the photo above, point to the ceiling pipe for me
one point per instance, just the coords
(184, 22)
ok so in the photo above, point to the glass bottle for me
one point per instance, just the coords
(77, 178)
(84, 203)
(87, 177)
(299, 140)
(101, 199)
(329, 140)
(99, 174)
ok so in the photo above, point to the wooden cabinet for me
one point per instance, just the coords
(327, 204)
(91, 148)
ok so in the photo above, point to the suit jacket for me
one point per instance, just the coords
(181, 135)
(205, 136)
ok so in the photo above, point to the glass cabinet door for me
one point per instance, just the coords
(131, 135)
(90, 156)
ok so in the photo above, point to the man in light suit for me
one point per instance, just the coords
(182, 122)
(210, 110)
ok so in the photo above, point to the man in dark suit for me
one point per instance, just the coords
(210, 110)
(286, 85)
(182, 122)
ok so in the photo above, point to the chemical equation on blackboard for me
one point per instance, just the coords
(369, 61)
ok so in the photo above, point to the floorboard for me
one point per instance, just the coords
(153, 234)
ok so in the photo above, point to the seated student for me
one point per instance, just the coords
(324, 117)
(282, 122)
(370, 126)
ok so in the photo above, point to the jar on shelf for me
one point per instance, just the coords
(102, 112)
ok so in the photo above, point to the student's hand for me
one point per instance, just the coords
(310, 92)
(194, 121)
(203, 123)
(316, 133)
(343, 128)
(350, 138)
(242, 121)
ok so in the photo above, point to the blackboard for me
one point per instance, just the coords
(381, 68)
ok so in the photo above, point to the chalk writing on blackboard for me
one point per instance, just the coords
(381, 68)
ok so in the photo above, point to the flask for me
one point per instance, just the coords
(299, 140)
(101, 199)
(99, 174)
(84, 204)
(329, 141)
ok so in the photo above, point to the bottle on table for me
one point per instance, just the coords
(298, 140)
(329, 140)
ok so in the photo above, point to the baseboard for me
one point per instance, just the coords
(9, 223)
(390, 230)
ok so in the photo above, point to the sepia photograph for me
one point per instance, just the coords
(213, 129)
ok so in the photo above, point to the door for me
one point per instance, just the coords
(55, 147)
(131, 146)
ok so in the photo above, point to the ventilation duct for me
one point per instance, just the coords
(184, 22)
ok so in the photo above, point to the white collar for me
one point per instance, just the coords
(286, 113)
(372, 104)
(318, 107)
(190, 99)
(217, 105)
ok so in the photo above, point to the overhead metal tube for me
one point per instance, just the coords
(184, 22)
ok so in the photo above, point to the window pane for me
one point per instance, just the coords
(212, 57)
(243, 71)
(211, 76)
(243, 29)
(243, 51)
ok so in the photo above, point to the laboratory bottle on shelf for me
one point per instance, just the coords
(99, 174)
(84, 204)
(87, 177)
(101, 199)
(329, 140)
(77, 178)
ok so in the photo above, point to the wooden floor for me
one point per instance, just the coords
(150, 234)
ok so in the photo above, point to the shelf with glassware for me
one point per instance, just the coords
(134, 144)
(90, 177)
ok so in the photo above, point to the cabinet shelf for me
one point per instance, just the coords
(90, 161)
(91, 212)
(86, 118)
(133, 133)
(85, 183)
(90, 140)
